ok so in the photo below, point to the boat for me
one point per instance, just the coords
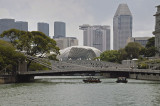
(121, 80)
(92, 80)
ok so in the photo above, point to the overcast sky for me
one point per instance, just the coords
(78, 12)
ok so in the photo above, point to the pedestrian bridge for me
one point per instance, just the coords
(89, 67)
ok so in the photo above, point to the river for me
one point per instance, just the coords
(71, 91)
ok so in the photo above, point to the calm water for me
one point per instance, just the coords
(71, 91)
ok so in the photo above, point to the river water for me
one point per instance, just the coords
(71, 91)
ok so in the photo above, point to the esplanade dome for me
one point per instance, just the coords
(79, 52)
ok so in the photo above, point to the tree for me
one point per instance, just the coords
(151, 42)
(111, 56)
(123, 54)
(133, 49)
(151, 50)
(34, 43)
(9, 57)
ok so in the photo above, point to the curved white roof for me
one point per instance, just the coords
(79, 52)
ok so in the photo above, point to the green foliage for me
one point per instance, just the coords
(111, 56)
(123, 54)
(142, 51)
(151, 50)
(151, 42)
(11, 34)
(53, 57)
(133, 49)
(8, 56)
(143, 66)
(34, 43)
(36, 67)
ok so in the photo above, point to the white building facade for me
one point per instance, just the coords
(65, 42)
(96, 36)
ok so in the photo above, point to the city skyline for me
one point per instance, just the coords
(75, 13)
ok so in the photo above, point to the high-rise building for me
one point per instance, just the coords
(122, 26)
(141, 40)
(20, 25)
(43, 27)
(96, 36)
(59, 29)
(64, 42)
(6, 24)
(157, 30)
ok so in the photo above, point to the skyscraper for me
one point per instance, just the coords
(96, 36)
(20, 25)
(122, 26)
(43, 27)
(59, 29)
(6, 24)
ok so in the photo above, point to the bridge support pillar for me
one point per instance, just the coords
(22, 67)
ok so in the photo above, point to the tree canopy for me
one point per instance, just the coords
(133, 50)
(151, 42)
(34, 43)
(9, 58)
(151, 50)
(111, 56)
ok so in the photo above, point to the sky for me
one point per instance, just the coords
(78, 12)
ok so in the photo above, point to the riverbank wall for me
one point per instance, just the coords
(132, 75)
(5, 79)
(145, 76)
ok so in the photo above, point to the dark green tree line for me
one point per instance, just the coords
(9, 58)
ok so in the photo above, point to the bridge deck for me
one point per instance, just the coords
(92, 70)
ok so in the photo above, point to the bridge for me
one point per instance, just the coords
(88, 67)
(83, 68)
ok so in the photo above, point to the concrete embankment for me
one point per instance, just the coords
(7, 79)
(145, 76)
(134, 75)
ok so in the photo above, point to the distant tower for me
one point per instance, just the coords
(122, 26)
(59, 29)
(96, 36)
(6, 24)
(157, 31)
(43, 27)
(20, 25)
